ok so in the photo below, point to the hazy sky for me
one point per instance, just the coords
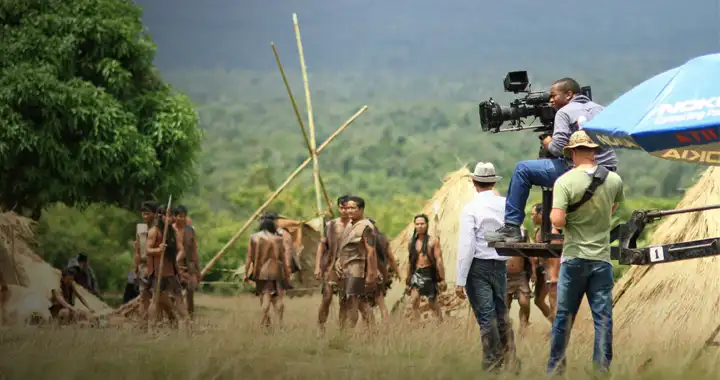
(427, 34)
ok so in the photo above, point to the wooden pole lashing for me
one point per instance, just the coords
(301, 123)
(311, 121)
(279, 190)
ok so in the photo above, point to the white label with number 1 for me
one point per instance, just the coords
(657, 254)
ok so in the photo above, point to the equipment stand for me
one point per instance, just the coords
(542, 248)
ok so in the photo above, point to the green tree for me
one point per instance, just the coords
(84, 115)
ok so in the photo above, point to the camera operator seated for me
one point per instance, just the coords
(573, 108)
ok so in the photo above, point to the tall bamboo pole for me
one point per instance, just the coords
(279, 190)
(311, 121)
(302, 124)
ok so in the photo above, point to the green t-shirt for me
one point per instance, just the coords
(587, 230)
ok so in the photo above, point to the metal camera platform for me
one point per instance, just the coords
(627, 252)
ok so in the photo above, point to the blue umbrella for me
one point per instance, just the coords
(674, 115)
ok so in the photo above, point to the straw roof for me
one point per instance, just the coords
(444, 210)
(674, 302)
(29, 277)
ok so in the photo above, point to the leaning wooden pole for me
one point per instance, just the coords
(279, 190)
(302, 124)
(311, 121)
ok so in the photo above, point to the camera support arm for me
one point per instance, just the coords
(628, 233)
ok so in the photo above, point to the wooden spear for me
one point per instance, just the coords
(279, 190)
(302, 125)
(311, 122)
(158, 274)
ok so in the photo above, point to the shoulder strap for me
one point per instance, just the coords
(598, 179)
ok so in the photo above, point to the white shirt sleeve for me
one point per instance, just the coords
(466, 246)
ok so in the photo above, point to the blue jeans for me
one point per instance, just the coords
(542, 172)
(486, 289)
(580, 277)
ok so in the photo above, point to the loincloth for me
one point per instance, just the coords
(374, 291)
(347, 279)
(168, 284)
(272, 287)
(424, 281)
(517, 283)
(353, 268)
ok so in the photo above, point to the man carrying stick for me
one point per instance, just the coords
(162, 248)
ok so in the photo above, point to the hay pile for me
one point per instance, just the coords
(676, 302)
(29, 277)
(443, 211)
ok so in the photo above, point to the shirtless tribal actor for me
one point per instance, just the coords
(547, 271)
(170, 298)
(148, 212)
(518, 285)
(189, 262)
(426, 271)
(268, 265)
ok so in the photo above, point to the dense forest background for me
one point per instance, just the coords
(421, 66)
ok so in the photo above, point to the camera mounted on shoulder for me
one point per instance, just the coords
(533, 104)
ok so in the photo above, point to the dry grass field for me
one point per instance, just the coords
(227, 344)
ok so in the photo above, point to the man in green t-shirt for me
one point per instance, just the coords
(585, 267)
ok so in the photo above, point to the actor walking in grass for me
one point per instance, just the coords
(426, 271)
(268, 265)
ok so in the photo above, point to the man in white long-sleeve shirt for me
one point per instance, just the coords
(481, 272)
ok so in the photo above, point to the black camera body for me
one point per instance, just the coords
(533, 104)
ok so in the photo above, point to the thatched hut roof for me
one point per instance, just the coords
(29, 277)
(674, 302)
(444, 210)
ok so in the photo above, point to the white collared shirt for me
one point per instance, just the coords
(485, 212)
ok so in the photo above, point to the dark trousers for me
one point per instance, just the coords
(578, 278)
(486, 288)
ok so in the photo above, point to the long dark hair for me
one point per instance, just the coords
(268, 224)
(412, 247)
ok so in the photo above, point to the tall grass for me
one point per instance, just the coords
(227, 344)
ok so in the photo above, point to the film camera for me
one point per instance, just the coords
(533, 104)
